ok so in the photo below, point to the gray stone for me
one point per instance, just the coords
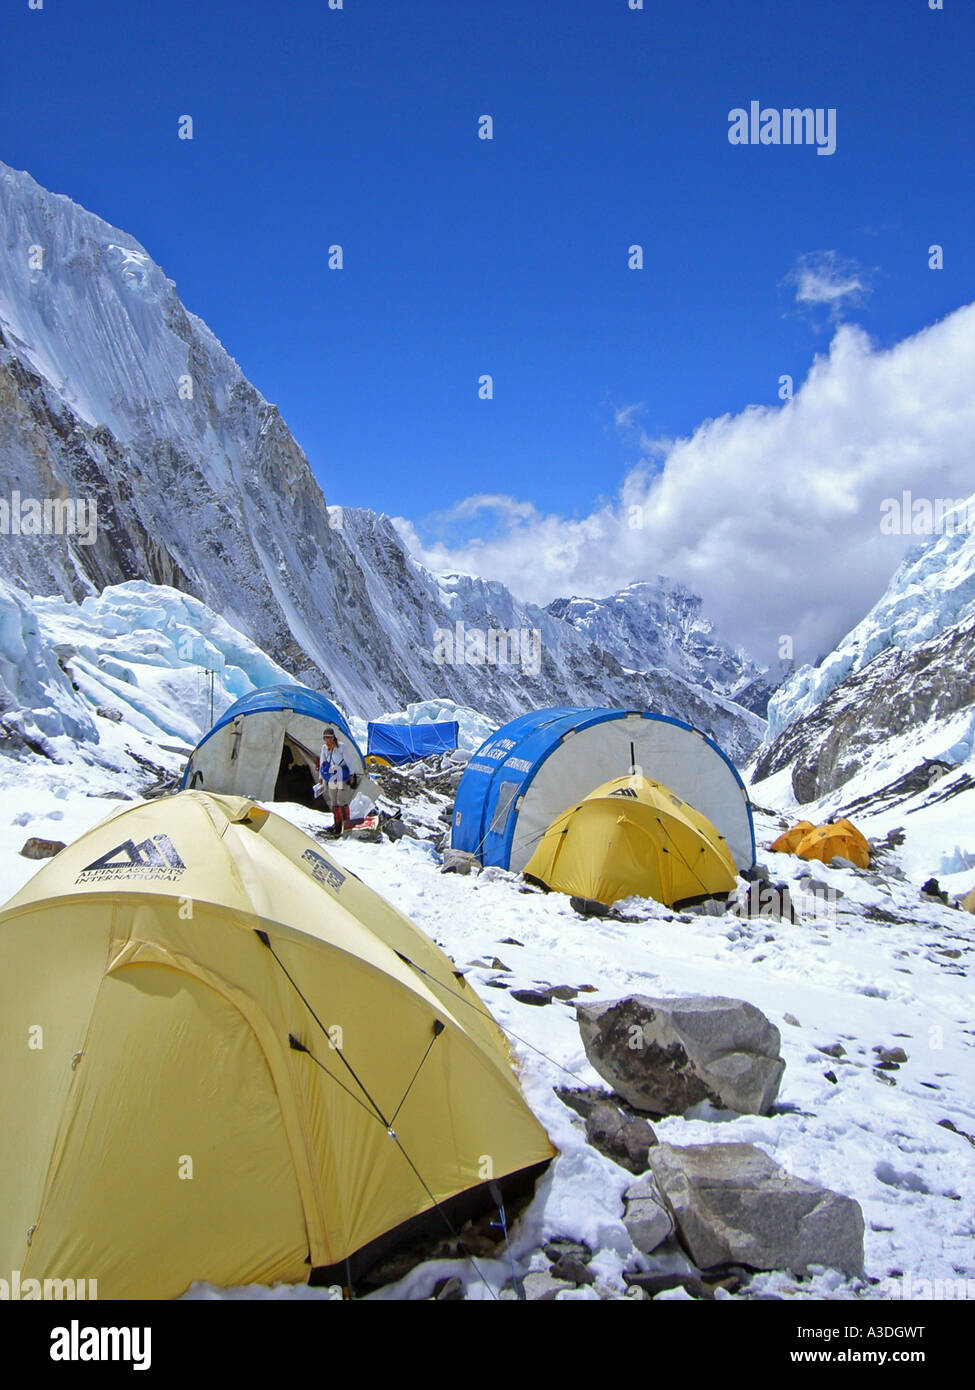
(540, 1287)
(645, 1216)
(538, 997)
(626, 1141)
(733, 1205)
(666, 1055)
(583, 1100)
(572, 1270)
(35, 848)
(563, 1247)
(110, 712)
(457, 861)
(448, 1290)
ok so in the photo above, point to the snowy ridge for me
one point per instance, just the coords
(932, 590)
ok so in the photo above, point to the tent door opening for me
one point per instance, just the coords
(297, 774)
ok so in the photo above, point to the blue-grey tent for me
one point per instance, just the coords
(538, 765)
(266, 745)
(408, 743)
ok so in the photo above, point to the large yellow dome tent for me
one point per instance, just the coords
(632, 837)
(229, 1060)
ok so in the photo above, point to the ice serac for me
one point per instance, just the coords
(904, 675)
(110, 391)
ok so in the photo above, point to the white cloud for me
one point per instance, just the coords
(773, 514)
(824, 278)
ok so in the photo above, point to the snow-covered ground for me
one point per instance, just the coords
(887, 968)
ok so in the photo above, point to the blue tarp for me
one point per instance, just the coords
(407, 743)
(273, 697)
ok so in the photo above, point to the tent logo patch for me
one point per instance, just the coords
(150, 859)
(323, 871)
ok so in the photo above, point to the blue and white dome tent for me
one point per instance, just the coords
(266, 745)
(539, 764)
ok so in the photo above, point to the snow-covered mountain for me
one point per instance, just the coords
(897, 696)
(661, 625)
(113, 396)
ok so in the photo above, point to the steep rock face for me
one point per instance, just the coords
(909, 663)
(113, 395)
(896, 692)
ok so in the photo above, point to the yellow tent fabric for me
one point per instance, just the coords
(788, 843)
(837, 838)
(969, 903)
(633, 837)
(227, 1059)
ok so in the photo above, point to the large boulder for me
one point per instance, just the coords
(665, 1055)
(732, 1204)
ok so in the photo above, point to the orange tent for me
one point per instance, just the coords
(786, 844)
(836, 839)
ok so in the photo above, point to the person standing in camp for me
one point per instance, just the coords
(338, 779)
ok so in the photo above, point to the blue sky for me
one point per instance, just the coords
(462, 256)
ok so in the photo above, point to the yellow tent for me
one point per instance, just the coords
(632, 837)
(227, 1059)
(836, 838)
(969, 903)
(787, 843)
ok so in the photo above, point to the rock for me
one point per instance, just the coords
(510, 941)
(890, 1058)
(665, 1055)
(572, 1270)
(448, 1290)
(791, 1020)
(765, 899)
(110, 712)
(540, 1287)
(652, 1284)
(932, 889)
(35, 848)
(395, 828)
(588, 907)
(733, 1205)
(562, 1247)
(583, 1100)
(758, 874)
(565, 992)
(839, 862)
(457, 861)
(711, 907)
(626, 1141)
(833, 1050)
(538, 997)
(646, 1218)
